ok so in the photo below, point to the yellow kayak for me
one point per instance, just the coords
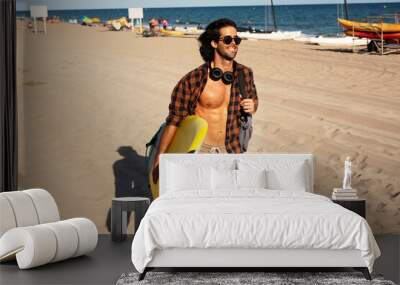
(188, 139)
(171, 33)
(369, 27)
(89, 21)
(123, 21)
(96, 20)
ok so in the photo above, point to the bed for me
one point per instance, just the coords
(246, 211)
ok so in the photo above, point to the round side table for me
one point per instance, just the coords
(119, 208)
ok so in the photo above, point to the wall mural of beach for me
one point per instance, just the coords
(89, 99)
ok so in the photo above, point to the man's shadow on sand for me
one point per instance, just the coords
(130, 177)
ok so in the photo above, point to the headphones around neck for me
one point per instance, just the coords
(217, 74)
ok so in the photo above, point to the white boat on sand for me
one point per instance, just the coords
(276, 36)
(337, 41)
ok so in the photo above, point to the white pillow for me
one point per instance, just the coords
(281, 174)
(293, 179)
(201, 160)
(224, 179)
(181, 177)
(251, 178)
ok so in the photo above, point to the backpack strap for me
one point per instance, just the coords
(242, 88)
(242, 85)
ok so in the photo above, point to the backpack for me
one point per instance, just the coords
(245, 119)
(152, 147)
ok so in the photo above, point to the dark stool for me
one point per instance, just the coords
(119, 209)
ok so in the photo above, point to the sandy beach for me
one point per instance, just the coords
(84, 92)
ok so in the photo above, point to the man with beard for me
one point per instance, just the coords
(212, 92)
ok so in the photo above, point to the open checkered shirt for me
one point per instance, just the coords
(187, 92)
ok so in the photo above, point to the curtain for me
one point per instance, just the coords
(8, 100)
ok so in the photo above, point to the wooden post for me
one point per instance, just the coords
(44, 26)
(35, 25)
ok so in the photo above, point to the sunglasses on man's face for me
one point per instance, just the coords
(228, 40)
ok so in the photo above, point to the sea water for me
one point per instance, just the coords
(309, 19)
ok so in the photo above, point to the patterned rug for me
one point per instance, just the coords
(243, 278)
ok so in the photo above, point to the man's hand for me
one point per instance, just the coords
(248, 105)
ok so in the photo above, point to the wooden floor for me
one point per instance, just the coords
(111, 259)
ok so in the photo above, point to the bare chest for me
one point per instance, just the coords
(215, 95)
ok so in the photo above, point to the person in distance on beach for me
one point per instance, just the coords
(212, 92)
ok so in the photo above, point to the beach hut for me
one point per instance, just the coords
(39, 11)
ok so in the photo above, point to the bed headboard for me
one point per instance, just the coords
(231, 159)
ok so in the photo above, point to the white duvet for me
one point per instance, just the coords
(252, 218)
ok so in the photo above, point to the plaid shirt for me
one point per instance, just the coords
(187, 92)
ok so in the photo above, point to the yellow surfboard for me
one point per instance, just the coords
(188, 138)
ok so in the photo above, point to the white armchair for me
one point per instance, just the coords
(31, 230)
